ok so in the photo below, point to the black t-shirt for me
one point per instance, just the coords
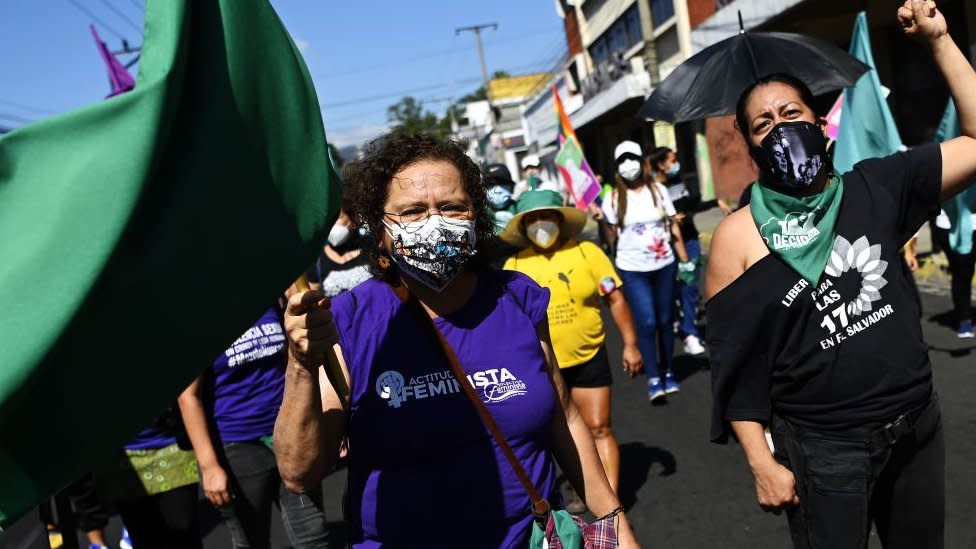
(851, 352)
(684, 202)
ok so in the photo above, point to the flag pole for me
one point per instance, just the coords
(333, 359)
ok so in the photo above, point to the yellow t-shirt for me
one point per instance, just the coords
(577, 275)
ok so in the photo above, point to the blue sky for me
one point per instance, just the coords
(362, 54)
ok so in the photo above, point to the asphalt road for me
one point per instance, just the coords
(682, 491)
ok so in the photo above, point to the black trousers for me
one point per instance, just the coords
(163, 521)
(89, 511)
(962, 267)
(256, 487)
(847, 480)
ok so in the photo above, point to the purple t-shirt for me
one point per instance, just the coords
(150, 438)
(423, 469)
(243, 394)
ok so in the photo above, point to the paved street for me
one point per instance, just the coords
(683, 492)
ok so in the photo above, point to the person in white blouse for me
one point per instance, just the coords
(643, 217)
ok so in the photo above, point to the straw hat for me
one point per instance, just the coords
(533, 201)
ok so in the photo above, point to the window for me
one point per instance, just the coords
(622, 35)
(631, 21)
(600, 52)
(661, 11)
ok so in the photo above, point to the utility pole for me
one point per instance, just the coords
(476, 29)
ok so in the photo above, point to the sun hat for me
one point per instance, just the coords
(573, 219)
(627, 148)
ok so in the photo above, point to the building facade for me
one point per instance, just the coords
(918, 93)
(619, 50)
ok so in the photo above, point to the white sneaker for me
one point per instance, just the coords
(693, 346)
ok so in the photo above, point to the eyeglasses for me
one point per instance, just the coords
(413, 214)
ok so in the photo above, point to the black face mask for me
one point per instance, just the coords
(792, 156)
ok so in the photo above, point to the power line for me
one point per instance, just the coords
(549, 66)
(15, 118)
(122, 16)
(400, 93)
(375, 110)
(27, 108)
(95, 18)
(419, 57)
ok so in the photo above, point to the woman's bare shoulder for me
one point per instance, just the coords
(736, 246)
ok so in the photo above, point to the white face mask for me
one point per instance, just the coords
(339, 235)
(629, 169)
(542, 233)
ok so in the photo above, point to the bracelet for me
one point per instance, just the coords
(612, 514)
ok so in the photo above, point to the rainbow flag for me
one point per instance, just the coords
(576, 172)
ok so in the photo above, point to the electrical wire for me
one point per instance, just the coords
(15, 118)
(400, 93)
(28, 108)
(95, 18)
(122, 16)
(550, 66)
(422, 56)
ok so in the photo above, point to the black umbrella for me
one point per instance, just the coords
(710, 82)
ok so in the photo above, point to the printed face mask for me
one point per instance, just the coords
(791, 156)
(499, 197)
(432, 251)
(629, 169)
(542, 233)
(339, 235)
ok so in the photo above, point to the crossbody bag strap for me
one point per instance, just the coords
(540, 507)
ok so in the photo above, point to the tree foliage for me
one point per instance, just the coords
(409, 116)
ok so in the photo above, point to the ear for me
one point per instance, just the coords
(822, 122)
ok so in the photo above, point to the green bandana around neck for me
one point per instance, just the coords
(799, 229)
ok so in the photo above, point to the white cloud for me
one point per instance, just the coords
(354, 135)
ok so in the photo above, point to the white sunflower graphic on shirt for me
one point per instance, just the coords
(864, 257)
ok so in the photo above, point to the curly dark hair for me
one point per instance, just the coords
(369, 181)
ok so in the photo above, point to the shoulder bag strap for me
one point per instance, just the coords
(540, 507)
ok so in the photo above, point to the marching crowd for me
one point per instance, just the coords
(451, 342)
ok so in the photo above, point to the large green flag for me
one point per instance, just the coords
(867, 129)
(141, 235)
(959, 207)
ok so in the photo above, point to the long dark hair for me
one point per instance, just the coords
(742, 121)
(620, 194)
(659, 155)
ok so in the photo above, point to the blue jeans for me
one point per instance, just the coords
(650, 298)
(256, 486)
(687, 295)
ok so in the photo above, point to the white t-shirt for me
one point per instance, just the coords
(644, 244)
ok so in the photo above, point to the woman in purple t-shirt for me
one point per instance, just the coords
(229, 412)
(423, 470)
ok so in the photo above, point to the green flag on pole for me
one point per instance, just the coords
(867, 129)
(141, 235)
(959, 207)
